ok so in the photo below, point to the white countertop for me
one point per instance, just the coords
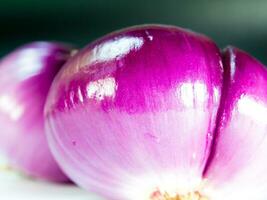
(15, 187)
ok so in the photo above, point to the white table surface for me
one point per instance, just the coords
(15, 187)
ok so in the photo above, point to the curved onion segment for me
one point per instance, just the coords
(239, 162)
(132, 115)
(25, 78)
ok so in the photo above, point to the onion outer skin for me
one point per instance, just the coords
(25, 78)
(135, 111)
(113, 120)
(238, 164)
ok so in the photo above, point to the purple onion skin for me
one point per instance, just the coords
(238, 163)
(136, 110)
(159, 108)
(25, 78)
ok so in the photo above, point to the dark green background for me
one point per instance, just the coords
(242, 23)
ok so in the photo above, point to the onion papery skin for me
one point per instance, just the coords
(135, 111)
(25, 78)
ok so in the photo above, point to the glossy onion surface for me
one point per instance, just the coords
(152, 113)
(238, 163)
(136, 110)
(25, 78)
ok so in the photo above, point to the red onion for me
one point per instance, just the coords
(25, 78)
(152, 113)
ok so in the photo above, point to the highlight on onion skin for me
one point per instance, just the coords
(25, 78)
(131, 116)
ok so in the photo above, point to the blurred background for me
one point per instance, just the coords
(242, 23)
